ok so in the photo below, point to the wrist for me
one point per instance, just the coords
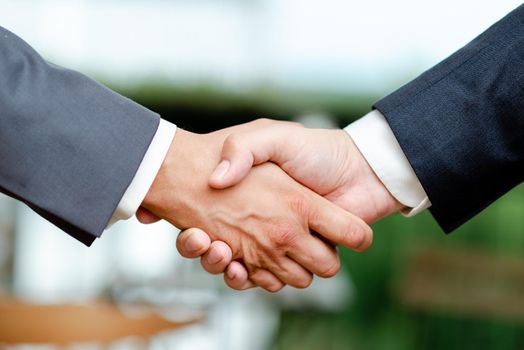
(179, 178)
(365, 182)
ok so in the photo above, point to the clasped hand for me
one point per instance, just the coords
(276, 206)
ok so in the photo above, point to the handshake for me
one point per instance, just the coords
(267, 203)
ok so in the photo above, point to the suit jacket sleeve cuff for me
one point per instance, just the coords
(147, 171)
(377, 143)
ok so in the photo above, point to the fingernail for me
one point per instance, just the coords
(231, 274)
(214, 257)
(192, 243)
(221, 170)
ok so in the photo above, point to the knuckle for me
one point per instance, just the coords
(299, 205)
(263, 121)
(285, 233)
(332, 270)
(366, 237)
(274, 287)
(304, 282)
(261, 278)
(284, 236)
(357, 236)
(233, 141)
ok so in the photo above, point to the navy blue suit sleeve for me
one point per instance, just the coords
(69, 147)
(461, 123)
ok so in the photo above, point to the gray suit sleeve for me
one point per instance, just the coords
(69, 147)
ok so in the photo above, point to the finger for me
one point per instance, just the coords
(192, 243)
(289, 272)
(145, 216)
(236, 277)
(241, 151)
(339, 226)
(266, 280)
(317, 256)
(217, 258)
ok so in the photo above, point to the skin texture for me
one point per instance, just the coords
(264, 221)
(326, 161)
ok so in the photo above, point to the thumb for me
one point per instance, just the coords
(241, 151)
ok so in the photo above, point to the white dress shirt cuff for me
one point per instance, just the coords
(147, 171)
(377, 143)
